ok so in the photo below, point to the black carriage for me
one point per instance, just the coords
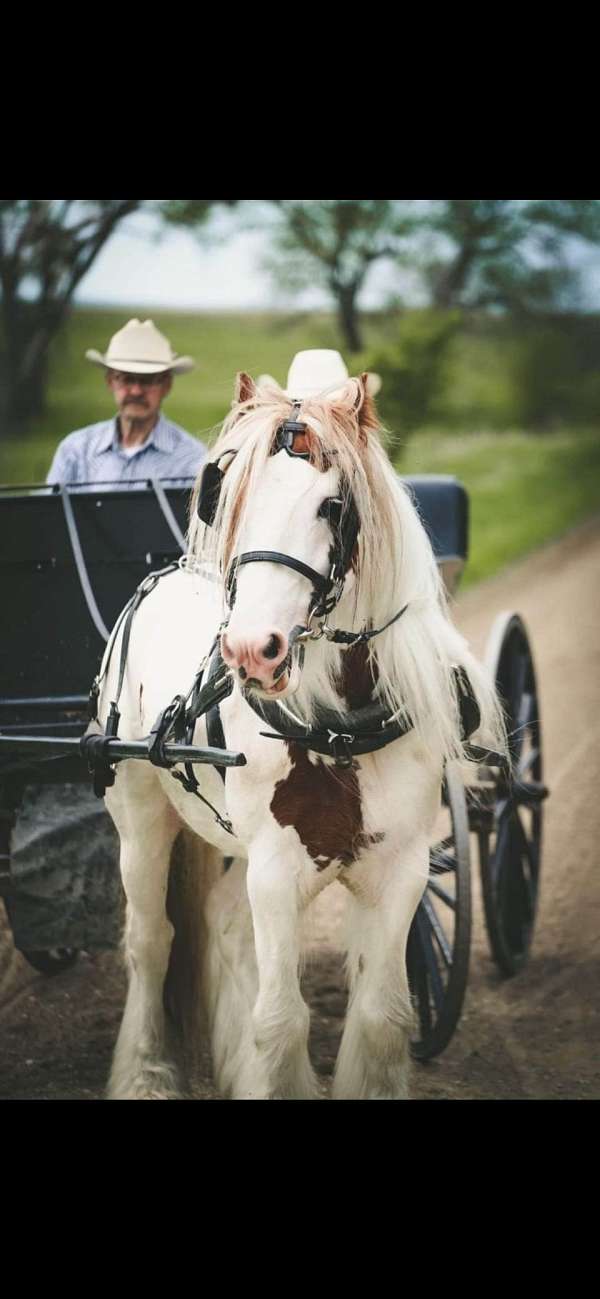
(70, 559)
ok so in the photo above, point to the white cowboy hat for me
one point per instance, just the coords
(321, 370)
(139, 348)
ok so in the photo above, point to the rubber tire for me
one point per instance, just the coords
(435, 1036)
(509, 952)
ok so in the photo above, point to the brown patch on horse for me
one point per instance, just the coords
(358, 676)
(323, 804)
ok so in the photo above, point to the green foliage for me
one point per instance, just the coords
(507, 253)
(413, 368)
(555, 367)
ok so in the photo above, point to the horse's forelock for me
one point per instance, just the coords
(334, 437)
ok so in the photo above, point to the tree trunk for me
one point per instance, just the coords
(453, 278)
(28, 329)
(348, 316)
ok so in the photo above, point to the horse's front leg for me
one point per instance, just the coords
(374, 1057)
(280, 1017)
(147, 826)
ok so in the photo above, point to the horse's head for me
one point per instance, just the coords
(286, 495)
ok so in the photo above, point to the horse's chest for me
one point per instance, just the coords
(324, 805)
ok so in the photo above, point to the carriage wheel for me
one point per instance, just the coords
(510, 850)
(53, 960)
(437, 954)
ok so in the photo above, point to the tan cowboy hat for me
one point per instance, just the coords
(139, 348)
(321, 370)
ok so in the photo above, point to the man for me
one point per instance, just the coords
(139, 442)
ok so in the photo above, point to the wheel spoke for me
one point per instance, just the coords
(441, 894)
(499, 852)
(527, 847)
(418, 979)
(436, 927)
(526, 710)
(527, 763)
(433, 972)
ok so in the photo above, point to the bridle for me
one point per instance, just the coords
(342, 514)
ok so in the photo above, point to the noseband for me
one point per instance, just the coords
(327, 591)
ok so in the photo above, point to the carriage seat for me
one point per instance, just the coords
(443, 506)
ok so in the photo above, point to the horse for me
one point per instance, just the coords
(311, 583)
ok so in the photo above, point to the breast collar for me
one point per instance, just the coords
(340, 735)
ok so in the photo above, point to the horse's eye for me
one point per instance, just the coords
(331, 509)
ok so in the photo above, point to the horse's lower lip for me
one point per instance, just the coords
(280, 685)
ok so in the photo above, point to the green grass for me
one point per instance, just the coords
(524, 488)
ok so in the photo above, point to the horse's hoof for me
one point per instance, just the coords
(152, 1083)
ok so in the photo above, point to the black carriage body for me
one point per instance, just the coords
(50, 648)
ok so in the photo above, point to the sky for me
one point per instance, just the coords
(176, 271)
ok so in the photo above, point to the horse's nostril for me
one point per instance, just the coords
(272, 647)
(243, 673)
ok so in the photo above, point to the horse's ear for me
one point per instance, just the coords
(266, 381)
(368, 421)
(245, 388)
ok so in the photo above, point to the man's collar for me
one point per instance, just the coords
(160, 436)
(109, 436)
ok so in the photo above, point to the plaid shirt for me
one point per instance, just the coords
(94, 455)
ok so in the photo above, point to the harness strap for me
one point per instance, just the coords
(321, 584)
(144, 589)
(339, 637)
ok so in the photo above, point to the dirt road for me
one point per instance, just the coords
(534, 1036)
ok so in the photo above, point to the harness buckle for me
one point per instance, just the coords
(93, 700)
(340, 748)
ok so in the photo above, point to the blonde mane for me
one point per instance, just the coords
(412, 661)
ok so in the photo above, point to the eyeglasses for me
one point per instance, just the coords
(144, 380)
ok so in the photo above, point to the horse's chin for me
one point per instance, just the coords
(287, 684)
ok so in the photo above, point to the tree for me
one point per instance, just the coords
(46, 248)
(335, 242)
(507, 253)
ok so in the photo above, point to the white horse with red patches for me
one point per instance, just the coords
(328, 539)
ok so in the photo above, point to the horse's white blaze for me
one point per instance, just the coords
(242, 929)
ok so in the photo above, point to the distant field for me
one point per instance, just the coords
(524, 488)
(220, 344)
